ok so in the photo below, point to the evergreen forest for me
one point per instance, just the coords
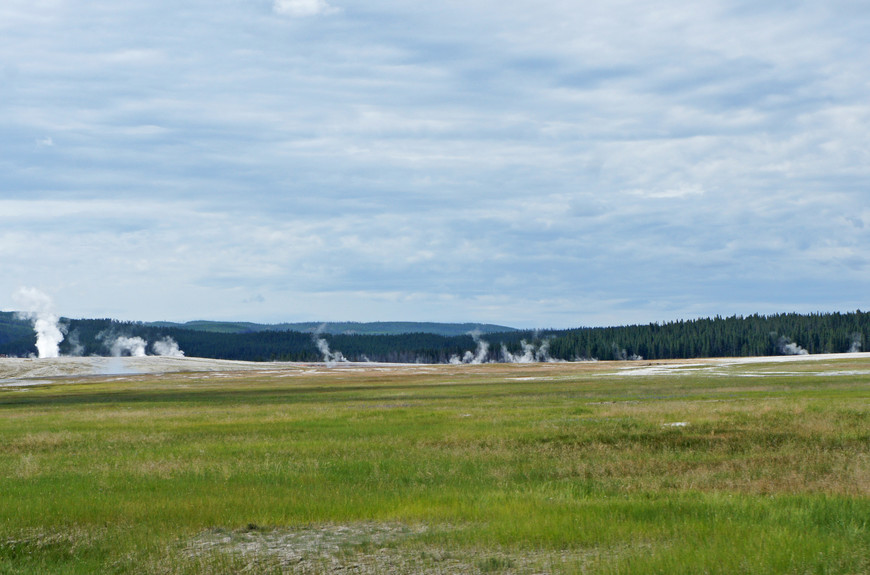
(755, 335)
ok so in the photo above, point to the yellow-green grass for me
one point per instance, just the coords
(516, 469)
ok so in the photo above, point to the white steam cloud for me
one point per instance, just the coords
(132, 346)
(37, 307)
(621, 354)
(166, 347)
(784, 346)
(857, 341)
(122, 345)
(76, 349)
(531, 353)
(473, 357)
(330, 358)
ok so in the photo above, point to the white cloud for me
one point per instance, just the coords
(300, 8)
(655, 161)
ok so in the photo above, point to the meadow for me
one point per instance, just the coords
(679, 467)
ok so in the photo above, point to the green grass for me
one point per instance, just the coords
(455, 470)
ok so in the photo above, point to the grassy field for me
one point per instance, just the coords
(555, 468)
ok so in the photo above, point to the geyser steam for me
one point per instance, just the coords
(621, 354)
(37, 307)
(476, 357)
(857, 341)
(330, 358)
(166, 347)
(531, 353)
(784, 346)
(135, 346)
(132, 346)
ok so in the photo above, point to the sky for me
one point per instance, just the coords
(531, 163)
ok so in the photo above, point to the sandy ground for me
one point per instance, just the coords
(30, 371)
(33, 371)
(21, 371)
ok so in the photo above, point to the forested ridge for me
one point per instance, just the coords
(734, 336)
(755, 335)
(16, 336)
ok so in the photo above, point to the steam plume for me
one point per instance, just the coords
(857, 341)
(330, 358)
(76, 349)
(476, 357)
(530, 354)
(167, 347)
(133, 346)
(786, 347)
(121, 345)
(621, 354)
(37, 307)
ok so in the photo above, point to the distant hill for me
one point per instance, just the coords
(411, 342)
(341, 328)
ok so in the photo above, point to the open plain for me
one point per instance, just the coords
(182, 465)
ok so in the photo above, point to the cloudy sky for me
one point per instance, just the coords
(534, 163)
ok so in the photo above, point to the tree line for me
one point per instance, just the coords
(735, 336)
(755, 335)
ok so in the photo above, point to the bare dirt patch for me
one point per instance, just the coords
(24, 372)
(369, 548)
